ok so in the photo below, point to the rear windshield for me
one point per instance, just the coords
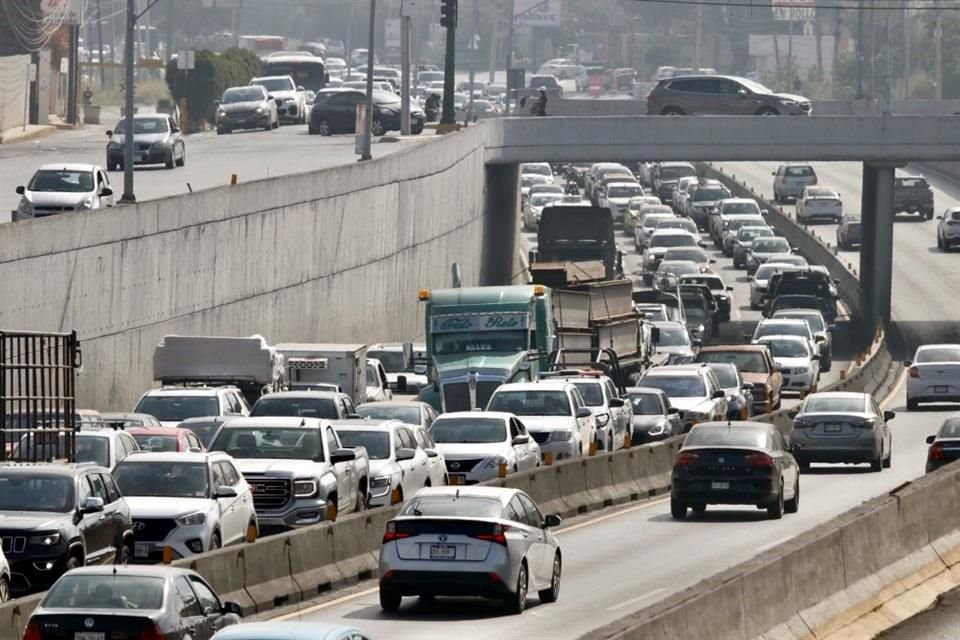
(939, 354)
(645, 404)
(781, 329)
(799, 172)
(740, 207)
(377, 443)
(912, 183)
(727, 437)
(737, 223)
(710, 193)
(676, 386)
(652, 220)
(787, 348)
(674, 173)
(102, 592)
(771, 245)
(410, 415)
(453, 507)
(626, 191)
(821, 193)
(295, 407)
(727, 376)
(834, 404)
(673, 240)
(750, 233)
(178, 408)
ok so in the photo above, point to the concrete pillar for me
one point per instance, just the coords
(500, 216)
(868, 224)
(882, 241)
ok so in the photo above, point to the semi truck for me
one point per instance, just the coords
(481, 337)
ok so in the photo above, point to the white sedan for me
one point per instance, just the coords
(798, 361)
(934, 375)
(819, 203)
(475, 444)
(563, 68)
(64, 188)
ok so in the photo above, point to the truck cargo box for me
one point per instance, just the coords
(623, 336)
(571, 309)
(309, 366)
(216, 360)
(562, 273)
(610, 299)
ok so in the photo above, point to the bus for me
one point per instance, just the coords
(306, 70)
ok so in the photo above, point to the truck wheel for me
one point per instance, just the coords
(4, 590)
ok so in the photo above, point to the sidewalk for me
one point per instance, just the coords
(108, 116)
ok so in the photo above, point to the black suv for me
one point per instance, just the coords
(336, 112)
(56, 517)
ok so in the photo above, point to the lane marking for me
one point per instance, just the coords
(773, 544)
(326, 605)
(609, 516)
(896, 389)
(640, 598)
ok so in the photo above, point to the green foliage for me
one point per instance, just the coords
(206, 82)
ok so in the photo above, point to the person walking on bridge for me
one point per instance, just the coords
(540, 108)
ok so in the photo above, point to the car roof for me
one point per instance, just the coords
(737, 201)
(174, 456)
(782, 321)
(156, 431)
(760, 426)
(48, 468)
(501, 493)
(185, 391)
(719, 348)
(838, 394)
(144, 570)
(68, 166)
(395, 403)
(368, 424)
(782, 337)
(303, 394)
(294, 630)
(502, 415)
(540, 385)
(653, 390)
(675, 370)
(671, 232)
(97, 433)
(283, 422)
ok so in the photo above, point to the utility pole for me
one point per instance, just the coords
(836, 48)
(448, 19)
(510, 18)
(368, 119)
(404, 71)
(907, 66)
(697, 45)
(938, 49)
(169, 26)
(103, 78)
(860, 9)
(474, 49)
(74, 67)
(888, 94)
(128, 195)
(494, 37)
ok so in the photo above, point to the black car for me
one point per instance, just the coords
(336, 112)
(156, 140)
(156, 602)
(735, 463)
(653, 417)
(246, 108)
(945, 446)
(56, 517)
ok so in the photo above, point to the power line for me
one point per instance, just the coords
(761, 4)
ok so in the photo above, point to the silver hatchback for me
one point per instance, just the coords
(470, 541)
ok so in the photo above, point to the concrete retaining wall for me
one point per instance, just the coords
(13, 70)
(330, 256)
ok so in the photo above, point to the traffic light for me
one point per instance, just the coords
(448, 14)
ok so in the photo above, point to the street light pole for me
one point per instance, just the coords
(128, 195)
(448, 122)
(368, 119)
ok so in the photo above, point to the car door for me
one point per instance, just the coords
(120, 512)
(885, 434)
(520, 452)
(210, 604)
(420, 461)
(618, 415)
(347, 483)
(585, 426)
(435, 464)
(789, 469)
(193, 623)
(232, 518)
(533, 552)
(343, 112)
(532, 450)
(100, 525)
(544, 551)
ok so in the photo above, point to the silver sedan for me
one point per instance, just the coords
(470, 541)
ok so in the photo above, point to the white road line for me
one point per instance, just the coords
(773, 544)
(640, 598)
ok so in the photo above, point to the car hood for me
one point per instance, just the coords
(56, 198)
(459, 451)
(790, 96)
(383, 468)
(145, 138)
(646, 421)
(755, 378)
(793, 362)
(690, 404)
(154, 507)
(279, 468)
(548, 423)
(31, 521)
(290, 94)
(241, 106)
(499, 364)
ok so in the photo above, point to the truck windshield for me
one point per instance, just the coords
(392, 361)
(35, 492)
(377, 443)
(479, 342)
(531, 403)
(178, 408)
(469, 431)
(163, 479)
(295, 407)
(266, 442)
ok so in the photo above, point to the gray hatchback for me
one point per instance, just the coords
(721, 96)
(845, 427)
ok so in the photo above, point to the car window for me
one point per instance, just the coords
(193, 441)
(113, 493)
(83, 489)
(428, 442)
(99, 490)
(514, 511)
(534, 517)
(331, 439)
(407, 438)
(189, 604)
(219, 479)
(513, 429)
(230, 474)
(344, 408)
(209, 602)
(727, 87)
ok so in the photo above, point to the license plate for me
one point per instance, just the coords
(89, 635)
(457, 478)
(443, 552)
(832, 428)
(141, 550)
(941, 389)
(719, 485)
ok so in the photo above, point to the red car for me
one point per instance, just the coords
(166, 439)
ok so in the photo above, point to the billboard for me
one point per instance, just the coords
(794, 10)
(537, 13)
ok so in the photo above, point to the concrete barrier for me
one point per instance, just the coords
(14, 616)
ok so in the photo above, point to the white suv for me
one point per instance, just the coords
(173, 405)
(553, 412)
(613, 413)
(190, 502)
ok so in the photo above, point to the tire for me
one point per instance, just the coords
(516, 602)
(389, 599)
(215, 541)
(876, 465)
(672, 111)
(912, 405)
(73, 562)
(940, 243)
(678, 509)
(269, 126)
(888, 461)
(182, 162)
(767, 111)
(793, 504)
(124, 555)
(775, 510)
(171, 163)
(4, 590)
(553, 593)
(699, 509)
(323, 127)
(361, 502)
(220, 131)
(376, 128)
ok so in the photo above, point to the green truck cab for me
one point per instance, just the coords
(478, 338)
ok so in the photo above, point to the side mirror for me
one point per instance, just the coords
(931, 439)
(521, 440)
(531, 256)
(831, 327)
(109, 133)
(743, 93)
(821, 338)
(718, 394)
(20, 190)
(432, 453)
(551, 521)
(279, 101)
(712, 260)
(654, 333)
(226, 492)
(729, 288)
(420, 369)
(816, 356)
(300, 88)
(795, 446)
(583, 412)
(792, 414)
(617, 403)
(216, 103)
(91, 504)
(408, 355)
(343, 455)
(405, 454)
(106, 191)
(907, 363)
(232, 608)
(889, 415)
(672, 411)
(697, 342)
(402, 384)
(764, 212)
(939, 217)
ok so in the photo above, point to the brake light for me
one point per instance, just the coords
(32, 632)
(868, 424)
(935, 453)
(392, 534)
(150, 632)
(499, 535)
(685, 459)
(800, 424)
(759, 460)
(914, 372)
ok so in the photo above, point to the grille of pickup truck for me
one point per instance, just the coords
(269, 494)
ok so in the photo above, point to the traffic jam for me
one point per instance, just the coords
(658, 305)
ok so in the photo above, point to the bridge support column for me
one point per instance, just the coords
(868, 225)
(500, 219)
(876, 254)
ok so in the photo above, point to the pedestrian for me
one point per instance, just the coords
(87, 96)
(797, 85)
(541, 106)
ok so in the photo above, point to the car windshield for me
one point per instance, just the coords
(685, 386)
(592, 393)
(377, 443)
(676, 172)
(36, 492)
(269, 442)
(912, 183)
(531, 403)
(653, 220)
(276, 84)
(624, 191)
(686, 255)
(150, 442)
(814, 321)
(834, 404)
(144, 125)
(727, 376)
(787, 348)
(479, 341)
(781, 329)
(242, 94)
(295, 407)
(67, 181)
(97, 591)
(746, 361)
(543, 198)
(409, 415)
(453, 506)
(710, 193)
(645, 404)
(771, 245)
(731, 208)
(939, 354)
(727, 437)
(672, 240)
(673, 336)
(163, 479)
(469, 430)
(167, 408)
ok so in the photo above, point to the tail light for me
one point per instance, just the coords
(800, 424)
(685, 459)
(498, 536)
(935, 453)
(32, 632)
(914, 372)
(392, 534)
(759, 460)
(150, 632)
(868, 425)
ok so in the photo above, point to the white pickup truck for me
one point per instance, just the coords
(298, 470)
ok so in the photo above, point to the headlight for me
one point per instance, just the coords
(382, 481)
(657, 429)
(305, 488)
(603, 419)
(87, 204)
(192, 519)
(260, 110)
(561, 436)
(222, 114)
(45, 539)
(494, 463)
(789, 103)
